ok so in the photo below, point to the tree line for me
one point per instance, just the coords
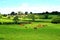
(26, 13)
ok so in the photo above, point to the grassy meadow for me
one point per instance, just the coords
(27, 32)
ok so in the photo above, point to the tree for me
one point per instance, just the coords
(13, 13)
(16, 19)
(31, 13)
(26, 13)
(32, 16)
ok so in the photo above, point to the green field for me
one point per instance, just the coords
(18, 32)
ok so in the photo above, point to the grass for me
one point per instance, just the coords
(17, 32)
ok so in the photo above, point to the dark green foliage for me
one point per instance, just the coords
(32, 16)
(13, 13)
(46, 16)
(0, 16)
(55, 13)
(4, 15)
(35, 27)
(0, 23)
(31, 13)
(56, 20)
(16, 19)
(26, 22)
(26, 13)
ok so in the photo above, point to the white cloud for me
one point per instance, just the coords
(26, 7)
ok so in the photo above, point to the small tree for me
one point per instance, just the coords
(16, 19)
(32, 16)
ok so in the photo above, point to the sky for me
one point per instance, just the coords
(36, 6)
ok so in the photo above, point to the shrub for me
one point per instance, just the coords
(56, 20)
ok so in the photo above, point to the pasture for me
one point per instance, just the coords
(27, 31)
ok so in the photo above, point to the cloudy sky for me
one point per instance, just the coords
(7, 6)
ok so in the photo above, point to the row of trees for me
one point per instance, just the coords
(50, 13)
(26, 13)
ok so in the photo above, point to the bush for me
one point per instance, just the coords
(0, 23)
(56, 20)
